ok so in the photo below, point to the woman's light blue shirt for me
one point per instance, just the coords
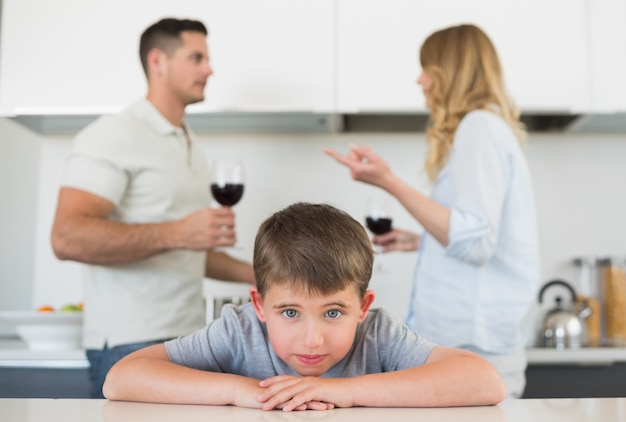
(476, 292)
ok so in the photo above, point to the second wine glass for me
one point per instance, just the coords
(227, 182)
(378, 219)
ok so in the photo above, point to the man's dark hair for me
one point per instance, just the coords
(165, 36)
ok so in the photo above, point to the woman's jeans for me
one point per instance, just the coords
(100, 361)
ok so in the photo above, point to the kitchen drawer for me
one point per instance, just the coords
(44, 383)
(575, 381)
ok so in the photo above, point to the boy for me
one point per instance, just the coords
(308, 339)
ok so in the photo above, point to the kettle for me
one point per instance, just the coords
(563, 327)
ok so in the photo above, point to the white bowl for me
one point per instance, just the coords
(47, 330)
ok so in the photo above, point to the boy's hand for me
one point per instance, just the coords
(246, 394)
(300, 393)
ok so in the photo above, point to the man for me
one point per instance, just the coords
(134, 206)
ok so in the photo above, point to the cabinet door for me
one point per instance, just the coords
(75, 56)
(608, 55)
(274, 55)
(542, 45)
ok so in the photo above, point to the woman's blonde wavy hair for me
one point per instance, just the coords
(466, 73)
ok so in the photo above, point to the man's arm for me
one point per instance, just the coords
(82, 231)
(221, 266)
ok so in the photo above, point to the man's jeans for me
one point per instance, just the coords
(100, 361)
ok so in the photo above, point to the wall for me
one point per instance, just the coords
(578, 181)
(280, 169)
(19, 158)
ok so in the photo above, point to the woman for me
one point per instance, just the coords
(478, 263)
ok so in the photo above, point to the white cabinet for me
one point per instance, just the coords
(76, 56)
(79, 57)
(543, 46)
(271, 55)
(608, 55)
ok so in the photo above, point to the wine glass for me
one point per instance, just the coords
(227, 182)
(378, 219)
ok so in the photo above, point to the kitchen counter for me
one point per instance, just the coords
(15, 353)
(537, 410)
(577, 356)
(41, 373)
(551, 373)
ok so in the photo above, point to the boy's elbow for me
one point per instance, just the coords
(488, 387)
(497, 392)
(493, 389)
(113, 386)
(108, 391)
(109, 388)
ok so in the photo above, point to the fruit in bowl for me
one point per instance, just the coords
(70, 307)
(45, 308)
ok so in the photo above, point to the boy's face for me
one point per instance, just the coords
(311, 333)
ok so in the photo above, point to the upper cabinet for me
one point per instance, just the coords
(543, 46)
(81, 57)
(270, 55)
(608, 55)
(328, 56)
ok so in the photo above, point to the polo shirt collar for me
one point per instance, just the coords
(146, 111)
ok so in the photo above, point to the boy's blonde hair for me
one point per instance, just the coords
(467, 76)
(312, 247)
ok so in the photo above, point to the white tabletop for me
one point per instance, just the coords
(534, 410)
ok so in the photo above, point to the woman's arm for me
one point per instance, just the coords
(368, 167)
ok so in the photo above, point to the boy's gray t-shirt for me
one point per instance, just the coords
(238, 343)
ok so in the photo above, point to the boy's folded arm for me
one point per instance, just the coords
(450, 377)
(147, 375)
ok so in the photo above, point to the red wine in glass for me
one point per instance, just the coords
(227, 183)
(227, 194)
(378, 226)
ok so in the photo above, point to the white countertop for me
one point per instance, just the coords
(15, 353)
(578, 356)
(522, 410)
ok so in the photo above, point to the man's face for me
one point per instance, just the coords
(311, 333)
(187, 68)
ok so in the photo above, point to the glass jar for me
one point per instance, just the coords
(613, 274)
(591, 295)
